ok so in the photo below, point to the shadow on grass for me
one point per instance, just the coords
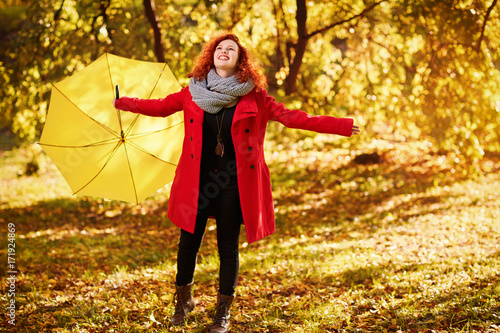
(366, 194)
(76, 236)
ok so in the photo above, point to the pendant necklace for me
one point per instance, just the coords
(219, 150)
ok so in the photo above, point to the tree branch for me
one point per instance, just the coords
(57, 14)
(483, 28)
(279, 53)
(363, 13)
(303, 38)
(149, 8)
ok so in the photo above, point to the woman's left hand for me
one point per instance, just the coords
(355, 130)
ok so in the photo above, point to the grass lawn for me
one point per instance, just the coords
(409, 244)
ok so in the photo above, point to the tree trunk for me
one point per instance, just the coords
(301, 45)
(149, 7)
(300, 48)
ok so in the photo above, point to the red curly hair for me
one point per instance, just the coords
(246, 68)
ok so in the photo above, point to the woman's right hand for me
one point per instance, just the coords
(125, 103)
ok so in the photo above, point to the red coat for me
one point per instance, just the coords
(248, 130)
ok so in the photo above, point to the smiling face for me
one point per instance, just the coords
(226, 58)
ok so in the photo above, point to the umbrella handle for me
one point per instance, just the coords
(118, 111)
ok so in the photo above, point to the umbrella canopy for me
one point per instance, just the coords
(105, 152)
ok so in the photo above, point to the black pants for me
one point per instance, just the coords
(223, 203)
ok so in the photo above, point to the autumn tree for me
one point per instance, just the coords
(423, 69)
(418, 68)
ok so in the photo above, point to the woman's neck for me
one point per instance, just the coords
(224, 73)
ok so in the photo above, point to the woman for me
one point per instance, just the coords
(222, 171)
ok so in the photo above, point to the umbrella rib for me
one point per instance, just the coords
(158, 80)
(151, 93)
(131, 174)
(100, 124)
(148, 153)
(96, 144)
(112, 85)
(115, 149)
(132, 124)
(139, 135)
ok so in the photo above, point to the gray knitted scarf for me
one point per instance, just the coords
(214, 92)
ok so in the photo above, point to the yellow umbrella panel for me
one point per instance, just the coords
(105, 152)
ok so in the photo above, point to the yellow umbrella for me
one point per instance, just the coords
(105, 152)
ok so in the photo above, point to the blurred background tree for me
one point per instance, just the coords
(425, 69)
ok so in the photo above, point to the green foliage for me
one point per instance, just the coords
(425, 69)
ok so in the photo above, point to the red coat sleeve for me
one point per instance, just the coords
(301, 120)
(161, 107)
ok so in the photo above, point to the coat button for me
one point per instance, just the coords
(191, 138)
(250, 148)
(247, 131)
(191, 121)
(192, 156)
(252, 166)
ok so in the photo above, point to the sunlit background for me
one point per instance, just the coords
(414, 69)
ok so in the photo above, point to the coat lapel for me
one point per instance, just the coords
(195, 110)
(247, 107)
